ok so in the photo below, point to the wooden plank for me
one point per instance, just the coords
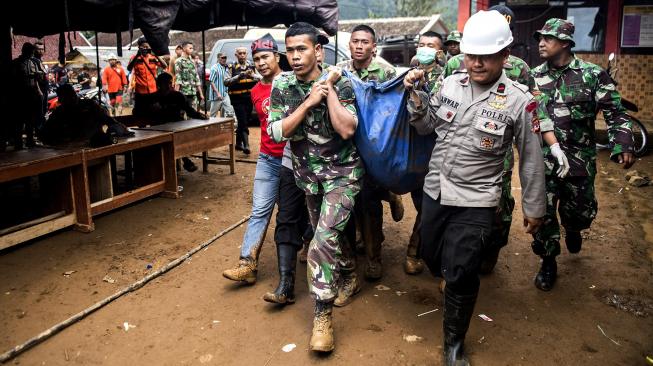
(127, 198)
(82, 198)
(143, 138)
(100, 182)
(27, 224)
(20, 164)
(169, 171)
(35, 231)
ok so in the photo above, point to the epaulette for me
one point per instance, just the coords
(521, 87)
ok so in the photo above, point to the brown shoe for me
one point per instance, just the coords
(348, 288)
(245, 271)
(413, 266)
(396, 207)
(322, 337)
(303, 254)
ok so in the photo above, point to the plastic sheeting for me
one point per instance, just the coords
(395, 155)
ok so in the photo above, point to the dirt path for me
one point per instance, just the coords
(193, 316)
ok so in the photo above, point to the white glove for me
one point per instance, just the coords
(563, 163)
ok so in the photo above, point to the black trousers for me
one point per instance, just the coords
(292, 212)
(243, 110)
(143, 104)
(453, 242)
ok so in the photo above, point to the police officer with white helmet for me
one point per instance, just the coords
(475, 116)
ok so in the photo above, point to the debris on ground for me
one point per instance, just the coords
(289, 347)
(606, 336)
(108, 279)
(427, 312)
(412, 338)
(206, 358)
(68, 273)
(637, 179)
(627, 302)
(382, 287)
(126, 326)
(485, 317)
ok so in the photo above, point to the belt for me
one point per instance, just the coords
(238, 92)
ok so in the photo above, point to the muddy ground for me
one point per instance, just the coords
(191, 315)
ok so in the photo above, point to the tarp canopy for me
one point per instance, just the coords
(157, 17)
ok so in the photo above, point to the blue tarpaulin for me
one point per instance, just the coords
(395, 155)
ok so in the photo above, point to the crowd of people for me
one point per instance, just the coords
(465, 90)
(477, 101)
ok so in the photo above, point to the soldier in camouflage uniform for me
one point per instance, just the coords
(187, 81)
(315, 111)
(369, 214)
(517, 70)
(453, 43)
(573, 91)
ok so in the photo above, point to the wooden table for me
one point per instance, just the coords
(199, 136)
(153, 168)
(60, 171)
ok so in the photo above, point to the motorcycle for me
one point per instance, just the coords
(640, 134)
(92, 93)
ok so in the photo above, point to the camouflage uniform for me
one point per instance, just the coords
(328, 169)
(517, 70)
(454, 36)
(369, 214)
(187, 78)
(572, 95)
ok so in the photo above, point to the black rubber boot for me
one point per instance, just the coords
(546, 277)
(458, 311)
(246, 149)
(489, 261)
(285, 292)
(574, 241)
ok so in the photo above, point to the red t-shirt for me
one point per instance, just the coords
(261, 100)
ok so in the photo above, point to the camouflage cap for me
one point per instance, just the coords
(559, 28)
(454, 36)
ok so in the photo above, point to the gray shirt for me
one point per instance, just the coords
(473, 136)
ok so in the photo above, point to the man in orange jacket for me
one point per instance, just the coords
(114, 82)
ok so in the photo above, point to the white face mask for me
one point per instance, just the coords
(425, 55)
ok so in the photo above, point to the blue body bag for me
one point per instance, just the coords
(395, 155)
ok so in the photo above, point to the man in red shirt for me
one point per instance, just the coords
(145, 68)
(274, 179)
(114, 81)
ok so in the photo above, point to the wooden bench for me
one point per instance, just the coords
(199, 136)
(60, 173)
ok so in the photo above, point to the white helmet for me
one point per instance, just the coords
(485, 33)
(111, 56)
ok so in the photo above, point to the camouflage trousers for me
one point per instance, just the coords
(503, 216)
(573, 198)
(329, 253)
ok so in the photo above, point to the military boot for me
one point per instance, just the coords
(285, 292)
(546, 277)
(348, 288)
(245, 271)
(458, 311)
(322, 337)
(246, 149)
(396, 206)
(574, 241)
(413, 265)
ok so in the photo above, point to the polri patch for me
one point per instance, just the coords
(501, 88)
(499, 102)
(530, 107)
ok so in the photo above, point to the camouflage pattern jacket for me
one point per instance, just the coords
(375, 71)
(322, 160)
(572, 96)
(186, 76)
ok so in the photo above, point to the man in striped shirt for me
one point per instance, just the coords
(218, 92)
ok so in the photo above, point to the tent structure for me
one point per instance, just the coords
(157, 17)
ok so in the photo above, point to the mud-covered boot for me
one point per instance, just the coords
(396, 206)
(574, 241)
(348, 288)
(246, 150)
(285, 292)
(547, 275)
(245, 271)
(413, 265)
(322, 337)
(458, 311)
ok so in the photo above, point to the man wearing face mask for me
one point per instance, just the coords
(430, 57)
(517, 70)
(475, 115)
(362, 45)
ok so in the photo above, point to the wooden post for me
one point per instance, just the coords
(82, 198)
(613, 27)
(464, 12)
